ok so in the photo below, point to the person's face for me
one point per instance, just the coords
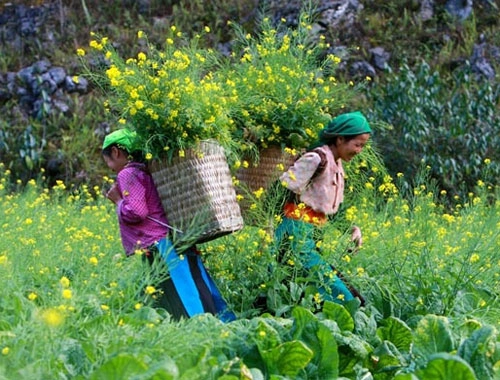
(347, 149)
(117, 160)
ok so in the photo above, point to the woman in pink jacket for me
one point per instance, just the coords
(188, 289)
(316, 181)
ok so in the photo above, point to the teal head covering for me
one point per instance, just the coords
(347, 124)
(124, 138)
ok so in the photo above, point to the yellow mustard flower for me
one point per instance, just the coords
(93, 260)
(32, 296)
(67, 294)
(64, 281)
(52, 317)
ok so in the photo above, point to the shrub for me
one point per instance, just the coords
(450, 125)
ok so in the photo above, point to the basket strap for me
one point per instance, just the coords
(164, 224)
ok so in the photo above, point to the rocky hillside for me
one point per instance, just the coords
(45, 103)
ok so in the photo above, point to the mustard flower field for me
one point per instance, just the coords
(74, 307)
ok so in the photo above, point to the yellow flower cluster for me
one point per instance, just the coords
(172, 97)
(282, 96)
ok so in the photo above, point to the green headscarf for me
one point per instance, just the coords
(124, 138)
(347, 124)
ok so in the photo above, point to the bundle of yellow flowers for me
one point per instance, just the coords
(173, 99)
(169, 96)
(284, 88)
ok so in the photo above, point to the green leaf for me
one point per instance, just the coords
(351, 344)
(397, 332)
(432, 335)
(366, 327)
(406, 376)
(255, 374)
(305, 324)
(327, 356)
(159, 374)
(288, 358)
(29, 162)
(388, 358)
(469, 326)
(478, 350)
(339, 314)
(320, 339)
(121, 367)
(445, 366)
(353, 350)
(165, 369)
(266, 336)
(72, 355)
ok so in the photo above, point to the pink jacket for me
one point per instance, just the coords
(325, 191)
(140, 200)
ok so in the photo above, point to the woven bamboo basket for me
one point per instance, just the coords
(271, 163)
(197, 191)
(260, 174)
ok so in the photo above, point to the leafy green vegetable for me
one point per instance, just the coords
(444, 366)
(397, 332)
(432, 335)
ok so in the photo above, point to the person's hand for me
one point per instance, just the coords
(114, 194)
(356, 238)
